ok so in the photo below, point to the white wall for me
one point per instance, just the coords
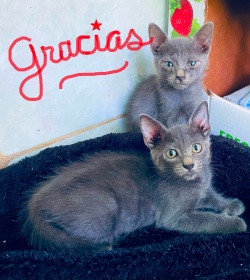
(85, 107)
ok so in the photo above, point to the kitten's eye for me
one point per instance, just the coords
(192, 63)
(172, 153)
(169, 64)
(197, 148)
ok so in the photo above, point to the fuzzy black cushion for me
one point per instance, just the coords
(145, 254)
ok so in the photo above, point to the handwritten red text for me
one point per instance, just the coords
(133, 42)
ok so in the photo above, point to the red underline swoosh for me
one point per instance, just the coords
(84, 74)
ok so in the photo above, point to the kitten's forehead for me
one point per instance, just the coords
(183, 135)
(180, 46)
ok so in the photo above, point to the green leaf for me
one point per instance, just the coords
(195, 27)
(174, 34)
(174, 4)
(197, 1)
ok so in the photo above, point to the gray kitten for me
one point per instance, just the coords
(174, 93)
(90, 204)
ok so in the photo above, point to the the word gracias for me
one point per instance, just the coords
(133, 42)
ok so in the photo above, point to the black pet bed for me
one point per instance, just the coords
(145, 254)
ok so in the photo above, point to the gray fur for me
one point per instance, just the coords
(90, 204)
(174, 92)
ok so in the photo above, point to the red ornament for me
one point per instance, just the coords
(182, 18)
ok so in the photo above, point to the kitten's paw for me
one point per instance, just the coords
(233, 225)
(234, 208)
(239, 225)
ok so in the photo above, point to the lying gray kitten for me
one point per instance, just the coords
(172, 95)
(90, 204)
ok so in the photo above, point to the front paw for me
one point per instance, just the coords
(238, 225)
(234, 208)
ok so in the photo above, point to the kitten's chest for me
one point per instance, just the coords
(178, 198)
(174, 98)
(176, 106)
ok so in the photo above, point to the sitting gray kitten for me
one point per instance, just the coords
(174, 93)
(90, 204)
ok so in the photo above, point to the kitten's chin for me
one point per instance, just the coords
(180, 86)
(189, 176)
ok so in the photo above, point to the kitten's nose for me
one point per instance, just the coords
(188, 166)
(180, 74)
(188, 163)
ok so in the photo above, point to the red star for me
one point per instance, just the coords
(96, 25)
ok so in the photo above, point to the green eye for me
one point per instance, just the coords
(172, 153)
(197, 148)
(169, 64)
(192, 63)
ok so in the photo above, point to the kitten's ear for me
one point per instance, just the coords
(204, 36)
(200, 119)
(152, 130)
(159, 36)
